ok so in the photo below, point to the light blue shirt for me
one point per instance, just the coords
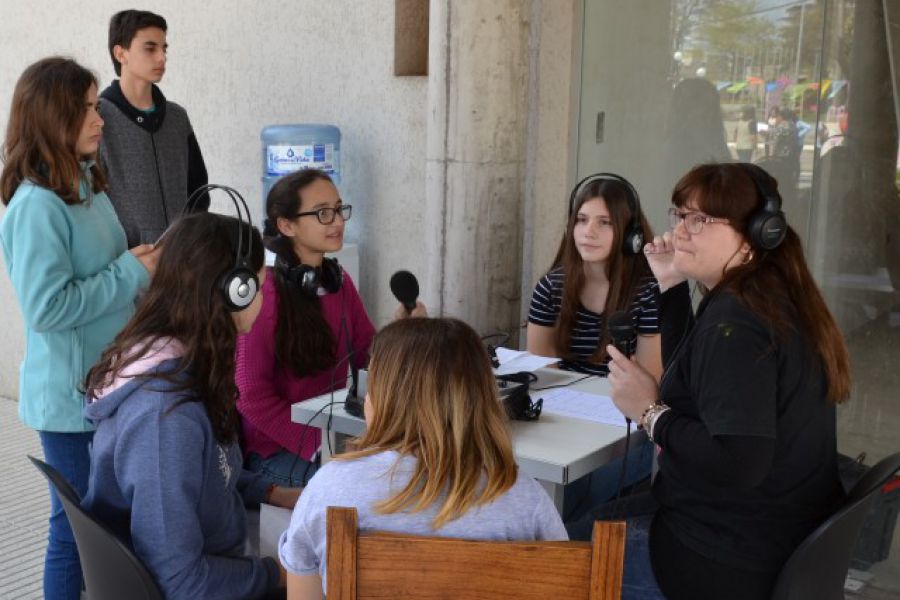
(523, 512)
(76, 284)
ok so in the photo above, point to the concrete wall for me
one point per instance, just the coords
(554, 77)
(478, 66)
(238, 66)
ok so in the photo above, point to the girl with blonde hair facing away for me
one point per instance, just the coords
(436, 458)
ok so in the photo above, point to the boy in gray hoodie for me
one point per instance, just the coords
(149, 150)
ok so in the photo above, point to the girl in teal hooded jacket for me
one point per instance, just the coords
(75, 280)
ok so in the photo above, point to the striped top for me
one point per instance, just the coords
(545, 307)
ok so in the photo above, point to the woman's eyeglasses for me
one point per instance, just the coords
(326, 215)
(693, 221)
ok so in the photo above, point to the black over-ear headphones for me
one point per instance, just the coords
(766, 227)
(309, 279)
(239, 284)
(633, 237)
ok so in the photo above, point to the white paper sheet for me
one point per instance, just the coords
(581, 405)
(514, 361)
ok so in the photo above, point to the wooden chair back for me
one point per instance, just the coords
(370, 565)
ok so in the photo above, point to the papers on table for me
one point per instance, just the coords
(581, 405)
(514, 361)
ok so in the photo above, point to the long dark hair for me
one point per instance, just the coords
(45, 121)
(624, 272)
(184, 303)
(775, 284)
(304, 342)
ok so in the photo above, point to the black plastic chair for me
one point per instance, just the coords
(111, 570)
(818, 567)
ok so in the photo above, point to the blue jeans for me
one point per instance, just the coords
(602, 484)
(638, 579)
(68, 453)
(282, 468)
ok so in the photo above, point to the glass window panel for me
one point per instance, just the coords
(666, 85)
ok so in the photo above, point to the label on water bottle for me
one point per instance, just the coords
(281, 160)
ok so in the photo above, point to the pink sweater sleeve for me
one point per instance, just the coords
(260, 401)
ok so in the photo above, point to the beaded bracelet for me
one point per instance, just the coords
(650, 418)
(642, 420)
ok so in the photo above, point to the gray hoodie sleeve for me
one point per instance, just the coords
(162, 471)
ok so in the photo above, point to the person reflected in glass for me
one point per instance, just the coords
(785, 147)
(744, 135)
(695, 131)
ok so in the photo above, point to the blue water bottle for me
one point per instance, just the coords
(289, 148)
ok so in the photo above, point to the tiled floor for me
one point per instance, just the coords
(870, 422)
(24, 508)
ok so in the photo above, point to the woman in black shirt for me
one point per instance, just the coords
(745, 412)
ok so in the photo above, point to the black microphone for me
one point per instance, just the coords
(624, 338)
(621, 330)
(406, 289)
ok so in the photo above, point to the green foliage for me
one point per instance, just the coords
(728, 26)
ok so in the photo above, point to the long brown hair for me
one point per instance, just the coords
(775, 284)
(624, 272)
(183, 302)
(304, 342)
(45, 121)
(433, 396)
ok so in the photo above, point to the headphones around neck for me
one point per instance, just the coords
(238, 284)
(633, 237)
(766, 227)
(309, 279)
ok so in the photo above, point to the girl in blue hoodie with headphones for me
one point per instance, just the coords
(166, 470)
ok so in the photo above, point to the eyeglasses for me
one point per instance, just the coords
(326, 215)
(693, 221)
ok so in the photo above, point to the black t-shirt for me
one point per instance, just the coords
(731, 376)
(546, 302)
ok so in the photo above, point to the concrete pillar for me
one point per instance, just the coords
(475, 160)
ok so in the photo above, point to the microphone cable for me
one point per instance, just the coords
(307, 426)
(560, 385)
(617, 501)
(349, 356)
(327, 429)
